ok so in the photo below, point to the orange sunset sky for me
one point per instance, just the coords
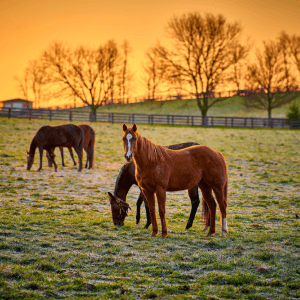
(28, 27)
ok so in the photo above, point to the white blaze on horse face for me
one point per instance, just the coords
(128, 136)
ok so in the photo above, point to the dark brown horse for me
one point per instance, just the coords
(88, 146)
(49, 137)
(126, 179)
(158, 170)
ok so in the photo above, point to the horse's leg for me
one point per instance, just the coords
(61, 149)
(72, 156)
(147, 213)
(78, 150)
(41, 158)
(194, 196)
(138, 208)
(151, 203)
(139, 202)
(221, 196)
(161, 200)
(205, 215)
(55, 166)
(88, 163)
(211, 203)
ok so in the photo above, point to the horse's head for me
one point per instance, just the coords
(30, 159)
(129, 141)
(119, 209)
(50, 156)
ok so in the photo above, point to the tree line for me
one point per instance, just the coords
(208, 53)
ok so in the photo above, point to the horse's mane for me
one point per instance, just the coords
(155, 152)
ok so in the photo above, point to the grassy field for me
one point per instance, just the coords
(57, 239)
(231, 107)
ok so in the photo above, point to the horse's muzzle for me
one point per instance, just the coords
(128, 158)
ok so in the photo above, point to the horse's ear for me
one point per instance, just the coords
(124, 127)
(27, 152)
(110, 195)
(134, 128)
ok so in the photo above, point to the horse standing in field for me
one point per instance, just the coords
(88, 146)
(49, 137)
(158, 170)
(126, 179)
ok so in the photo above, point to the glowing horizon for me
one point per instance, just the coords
(29, 27)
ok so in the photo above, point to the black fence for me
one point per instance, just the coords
(68, 115)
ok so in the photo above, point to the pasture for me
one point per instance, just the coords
(57, 239)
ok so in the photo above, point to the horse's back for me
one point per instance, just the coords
(198, 162)
(62, 135)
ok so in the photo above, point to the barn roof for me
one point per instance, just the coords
(16, 100)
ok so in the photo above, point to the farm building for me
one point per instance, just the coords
(16, 103)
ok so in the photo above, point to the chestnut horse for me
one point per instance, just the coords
(49, 137)
(88, 146)
(158, 170)
(126, 179)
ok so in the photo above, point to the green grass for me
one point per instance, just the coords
(57, 239)
(231, 107)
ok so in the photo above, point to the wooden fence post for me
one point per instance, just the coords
(9, 113)
(50, 114)
(70, 116)
(29, 114)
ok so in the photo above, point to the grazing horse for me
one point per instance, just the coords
(158, 170)
(88, 146)
(126, 179)
(49, 137)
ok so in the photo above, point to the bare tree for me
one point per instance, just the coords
(33, 83)
(287, 61)
(203, 51)
(236, 72)
(87, 74)
(266, 77)
(125, 75)
(153, 73)
(295, 50)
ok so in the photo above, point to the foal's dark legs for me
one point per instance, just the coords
(139, 202)
(194, 196)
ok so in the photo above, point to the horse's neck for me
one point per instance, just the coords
(33, 146)
(124, 182)
(142, 157)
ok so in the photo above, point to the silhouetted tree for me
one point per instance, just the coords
(88, 74)
(203, 51)
(266, 78)
(34, 82)
(125, 75)
(236, 72)
(153, 73)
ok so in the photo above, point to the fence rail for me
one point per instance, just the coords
(211, 121)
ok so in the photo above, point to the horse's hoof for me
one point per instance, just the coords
(147, 225)
(224, 232)
(188, 226)
(205, 228)
(164, 235)
(153, 234)
(210, 233)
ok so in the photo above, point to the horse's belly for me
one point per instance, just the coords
(183, 181)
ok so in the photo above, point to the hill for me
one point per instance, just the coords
(231, 107)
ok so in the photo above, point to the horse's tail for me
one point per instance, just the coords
(92, 148)
(225, 188)
(205, 213)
